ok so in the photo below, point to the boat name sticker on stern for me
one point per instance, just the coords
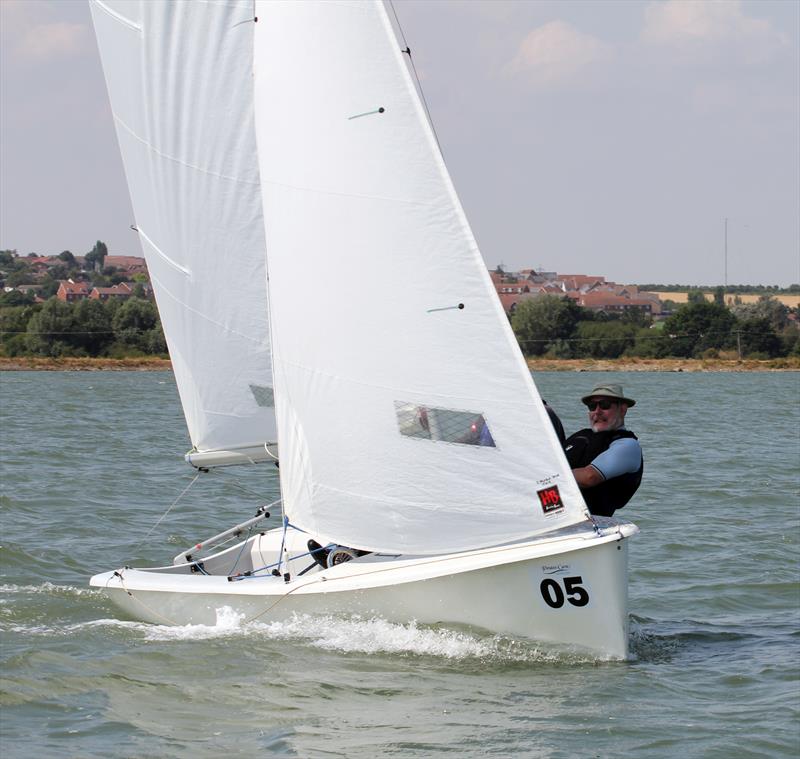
(550, 499)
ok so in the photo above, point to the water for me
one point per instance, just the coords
(91, 462)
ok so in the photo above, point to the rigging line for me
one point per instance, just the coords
(253, 572)
(100, 332)
(163, 516)
(279, 599)
(302, 466)
(407, 51)
(283, 544)
(671, 336)
(241, 550)
(139, 601)
(274, 344)
(234, 483)
(619, 338)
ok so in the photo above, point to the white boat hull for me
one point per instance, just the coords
(567, 589)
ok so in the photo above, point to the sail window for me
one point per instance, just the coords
(443, 424)
(265, 396)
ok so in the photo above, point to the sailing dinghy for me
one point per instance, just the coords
(420, 476)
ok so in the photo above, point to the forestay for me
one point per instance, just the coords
(180, 80)
(407, 418)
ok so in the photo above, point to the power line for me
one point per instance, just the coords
(670, 336)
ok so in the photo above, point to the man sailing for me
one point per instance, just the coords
(606, 458)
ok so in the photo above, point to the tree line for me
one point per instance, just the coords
(549, 325)
(730, 289)
(556, 327)
(114, 328)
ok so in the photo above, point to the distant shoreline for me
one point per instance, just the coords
(791, 364)
(24, 363)
(536, 364)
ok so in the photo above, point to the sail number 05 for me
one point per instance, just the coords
(573, 592)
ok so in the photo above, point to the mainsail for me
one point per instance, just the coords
(407, 418)
(179, 76)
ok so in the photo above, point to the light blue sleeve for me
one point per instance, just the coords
(623, 456)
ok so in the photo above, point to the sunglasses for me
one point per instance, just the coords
(604, 404)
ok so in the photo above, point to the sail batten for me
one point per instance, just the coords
(162, 254)
(117, 16)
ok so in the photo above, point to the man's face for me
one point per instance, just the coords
(603, 419)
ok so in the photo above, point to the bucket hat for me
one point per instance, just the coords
(609, 390)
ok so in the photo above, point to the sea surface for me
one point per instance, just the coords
(93, 478)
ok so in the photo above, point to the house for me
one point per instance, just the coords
(611, 303)
(40, 264)
(539, 276)
(70, 291)
(24, 289)
(580, 282)
(122, 291)
(510, 301)
(591, 291)
(129, 265)
(512, 287)
(550, 289)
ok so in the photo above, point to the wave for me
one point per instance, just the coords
(353, 634)
(659, 641)
(50, 589)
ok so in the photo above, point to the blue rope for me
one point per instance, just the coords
(286, 525)
(283, 541)
(276, 564)
(239, 555)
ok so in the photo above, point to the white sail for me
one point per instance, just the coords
(179, 76)
(407, 418)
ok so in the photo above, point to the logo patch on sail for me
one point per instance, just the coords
(550, 499)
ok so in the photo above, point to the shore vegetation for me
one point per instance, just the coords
(86, 329)
(554, 327)
(38, 328)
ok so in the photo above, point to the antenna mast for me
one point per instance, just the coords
(726, 253)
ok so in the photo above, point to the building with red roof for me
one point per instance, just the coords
(70, 291)
(130, 265)
(121, 291)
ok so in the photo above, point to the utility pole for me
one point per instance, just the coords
(726, 254)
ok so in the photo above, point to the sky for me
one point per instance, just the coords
(609, 137)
